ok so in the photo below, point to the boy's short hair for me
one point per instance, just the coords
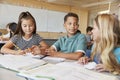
(70, 14)
(89, 28)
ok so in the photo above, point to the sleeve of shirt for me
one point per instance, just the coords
(14, 39)
(88, 38)
(39, 39)
(57, 45)
(117, 54)
(82, 44)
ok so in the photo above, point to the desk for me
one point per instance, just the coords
(8, 74)
(67, 71)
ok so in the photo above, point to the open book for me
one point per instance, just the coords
(65, 72)
(19, 62)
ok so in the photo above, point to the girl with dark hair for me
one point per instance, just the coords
(25, 36)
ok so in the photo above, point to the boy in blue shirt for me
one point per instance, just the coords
(73, 45)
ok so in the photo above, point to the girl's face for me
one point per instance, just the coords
(96, 32)
(27, 26)
(71, 25)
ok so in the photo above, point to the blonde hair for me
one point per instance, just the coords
(109, 29)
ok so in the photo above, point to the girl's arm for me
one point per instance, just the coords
(43, 45)
(36, 50)
(7, 48)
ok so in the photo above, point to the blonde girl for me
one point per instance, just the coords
(106, 49)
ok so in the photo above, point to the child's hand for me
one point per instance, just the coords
(43, 51)
(101, 68)
(84, 60)
(35, 50)
(28, 50)
(51, 52)
(20, 52)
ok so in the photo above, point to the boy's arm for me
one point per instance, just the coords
(74, 56)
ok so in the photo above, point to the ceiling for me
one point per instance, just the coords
(81, 3)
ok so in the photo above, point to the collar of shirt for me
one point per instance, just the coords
(73, 37)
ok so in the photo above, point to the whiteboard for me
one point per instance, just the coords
(46, 20)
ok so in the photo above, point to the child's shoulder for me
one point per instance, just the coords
(16, 36)
(63, 38)
(81, 35)
(36, 35)
(117, 49)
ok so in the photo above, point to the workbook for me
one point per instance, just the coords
(65, 71)
(19, 62)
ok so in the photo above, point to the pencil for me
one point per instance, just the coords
(16, 46)
(43, 56)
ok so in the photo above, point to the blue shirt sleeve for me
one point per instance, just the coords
(82, 43)
(57, 44)
(117, 54)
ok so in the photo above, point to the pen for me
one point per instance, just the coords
(43, 56)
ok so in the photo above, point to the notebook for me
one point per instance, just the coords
(19, 62)
(65, 72)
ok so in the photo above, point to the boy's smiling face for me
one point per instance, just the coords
(71, 25)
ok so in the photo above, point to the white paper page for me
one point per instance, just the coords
(53, 71)
(19, 62)
(54, 59)
(33, 56)
(90, 65)
(67, 72)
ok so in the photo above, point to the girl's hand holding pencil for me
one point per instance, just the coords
(19, 51)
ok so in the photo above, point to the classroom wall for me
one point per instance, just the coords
(83, 13)
(114, 8)
(45, 35)
(3, 31)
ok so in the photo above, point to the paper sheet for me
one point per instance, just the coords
(90, 65)
(54, 59)
(19, 62)
(66, 72)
